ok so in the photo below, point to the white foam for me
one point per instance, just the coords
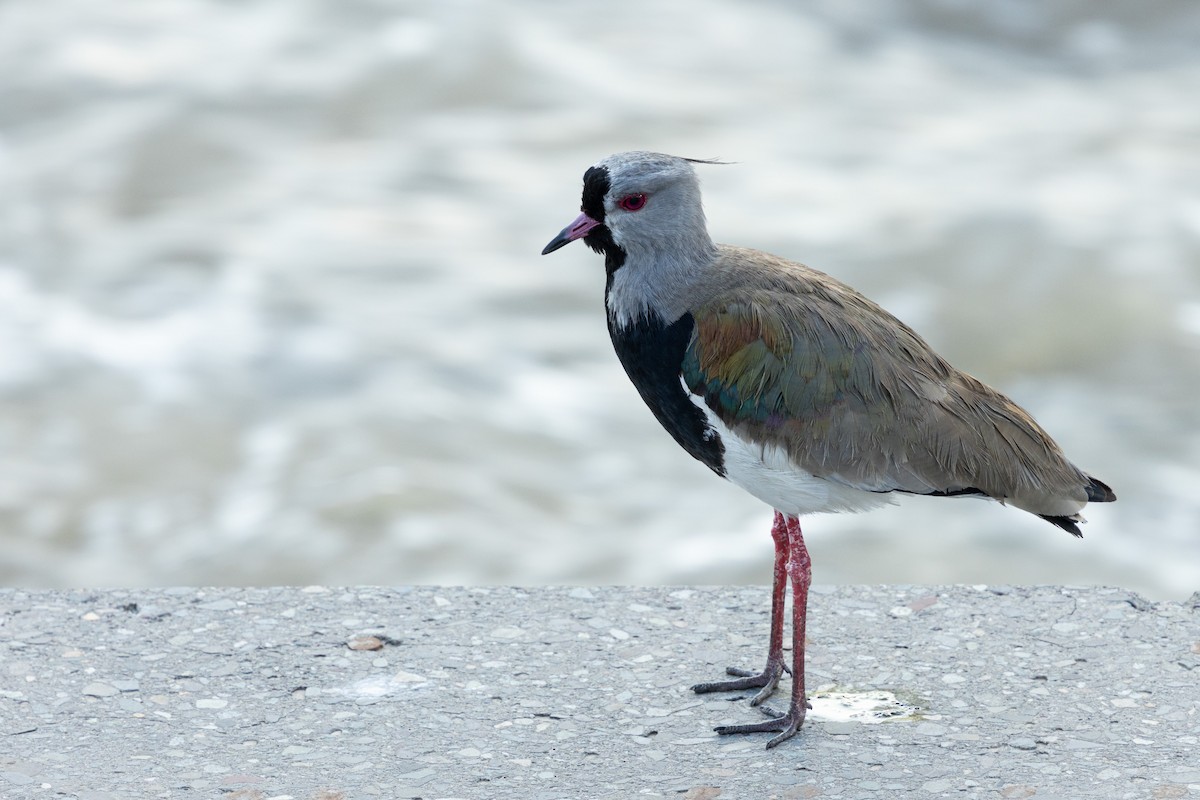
(869, 707)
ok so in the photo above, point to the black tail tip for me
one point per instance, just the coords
(1066, 523)
(1099, 491)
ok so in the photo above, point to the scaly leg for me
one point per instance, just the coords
(768, 679)
(799, 572)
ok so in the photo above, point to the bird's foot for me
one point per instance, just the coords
(764, 681)
(785, 724)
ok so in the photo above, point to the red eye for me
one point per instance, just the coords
(633, 202)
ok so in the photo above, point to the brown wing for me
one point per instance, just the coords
(853, 395)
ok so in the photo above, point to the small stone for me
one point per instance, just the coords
(580, 593)
(212, 702)
(507, 632)
(219, 605)
(1186, 776)
(922, 603)
(1017, 792)
(802, 792)
(1169, 791)
(364, 643)
(1022, 743)
(1139, 603)
(100, 690)
(618, 634)
(1080, 744)
(418, 777)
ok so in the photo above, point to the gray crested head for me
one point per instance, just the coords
(643, 211)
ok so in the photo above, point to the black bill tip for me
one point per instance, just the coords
(562, 240)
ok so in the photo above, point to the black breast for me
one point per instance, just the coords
(652, 353)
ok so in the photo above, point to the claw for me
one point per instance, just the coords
(785, 725)
(764, 681)
(771, 712)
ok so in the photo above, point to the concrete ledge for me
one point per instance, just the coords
(583, 693)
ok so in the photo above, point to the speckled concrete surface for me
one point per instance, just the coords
(433, 692)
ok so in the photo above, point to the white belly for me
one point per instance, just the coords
(767, 472)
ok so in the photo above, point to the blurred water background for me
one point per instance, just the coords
(272, 309)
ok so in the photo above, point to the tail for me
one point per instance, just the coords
(1097, 492)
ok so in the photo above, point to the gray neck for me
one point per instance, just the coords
(658, 273)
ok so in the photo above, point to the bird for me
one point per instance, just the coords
(795, 387)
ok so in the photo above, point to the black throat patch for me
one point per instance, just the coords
(652, 354)
(596, 184)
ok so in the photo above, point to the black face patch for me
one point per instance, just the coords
(595, 186)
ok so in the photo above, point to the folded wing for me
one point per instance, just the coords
(855, 396)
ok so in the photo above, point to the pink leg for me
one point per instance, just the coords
(799, 572)
(768, 679)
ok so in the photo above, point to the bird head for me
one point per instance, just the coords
(640, 203)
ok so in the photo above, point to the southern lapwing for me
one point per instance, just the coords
(796, 388)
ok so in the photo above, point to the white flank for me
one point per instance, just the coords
(767, 472)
